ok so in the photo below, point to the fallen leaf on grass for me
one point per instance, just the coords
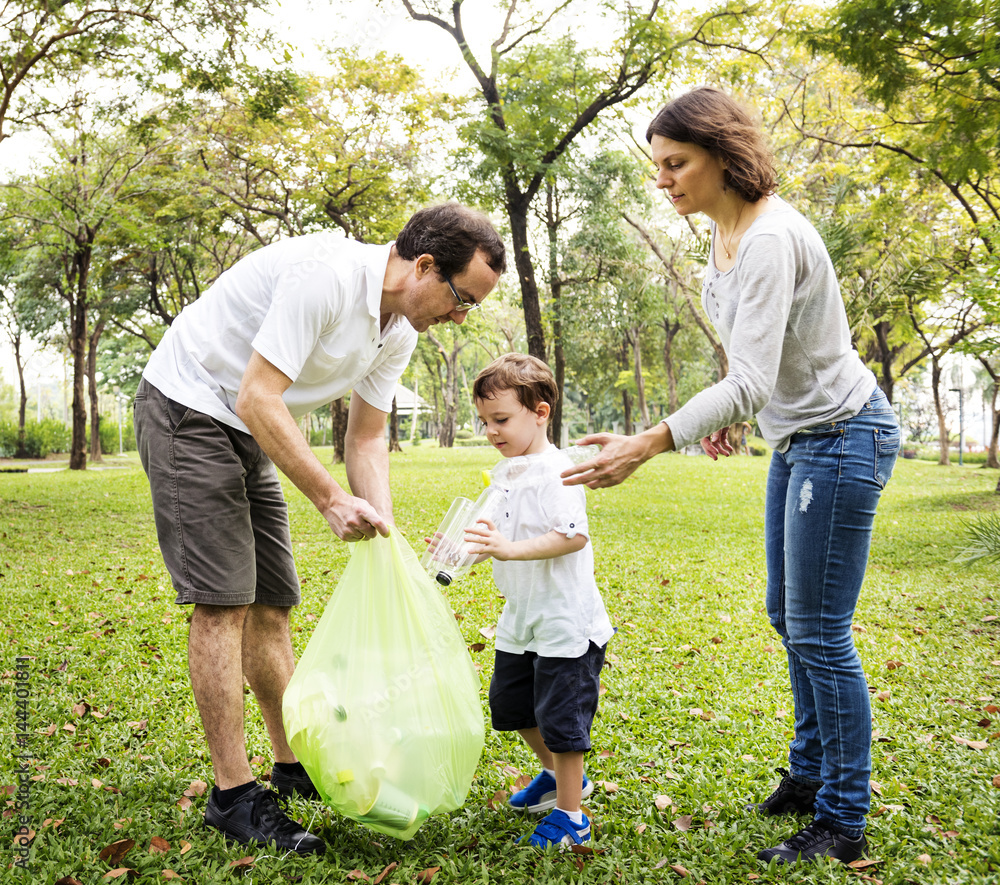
(425, 876)
(863, 864)
(244, 863)
(924, 858)
(683, 823)
(158, 845)
(184, 803)
(609, 786)
(24, 838)
(114, 852)
(384, 873)
(170, 874)
(640, 829)
(55, 824)
(185, 847)
(876, 787)
(196, 788)
(996, 781)
(68, 880)
(489, 633)
(975, 745)
(497, 800)
(663, 802)
(355, 875)
(118, 873)
(67, 781)
(681, 871)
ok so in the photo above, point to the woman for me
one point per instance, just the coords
(771, 291)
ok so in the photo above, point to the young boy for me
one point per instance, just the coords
(553, 630)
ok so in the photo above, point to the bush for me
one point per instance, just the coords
(41, 438)
(471, 440)
(109, 436)
(8, 438)
(464, 433)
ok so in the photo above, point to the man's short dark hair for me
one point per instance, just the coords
(452, 233)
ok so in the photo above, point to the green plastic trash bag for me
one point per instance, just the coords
(384, 709)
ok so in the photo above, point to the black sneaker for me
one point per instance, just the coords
(816, 840)
(259, 816)
(287, 784)
(790, 797)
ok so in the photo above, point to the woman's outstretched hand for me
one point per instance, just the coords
(717, 443)
(619, 458)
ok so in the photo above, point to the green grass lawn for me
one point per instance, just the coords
(695, 718)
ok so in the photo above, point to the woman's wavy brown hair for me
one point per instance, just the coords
(713, 121)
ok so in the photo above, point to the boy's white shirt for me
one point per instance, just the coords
(553, 606)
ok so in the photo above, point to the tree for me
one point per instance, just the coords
(70, 208)
(353, 149)
(539, 98)
(932, 66)
(46, 42)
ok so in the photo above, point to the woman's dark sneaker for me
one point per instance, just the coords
(815, 841)
(259, 816)
(790, 797)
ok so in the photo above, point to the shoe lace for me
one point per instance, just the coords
(271, 810)
(786, 781)
(808, 836)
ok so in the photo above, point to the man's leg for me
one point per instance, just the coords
(215, 662)
(268, 663)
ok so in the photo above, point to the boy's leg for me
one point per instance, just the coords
(533, 738)
(569, 780)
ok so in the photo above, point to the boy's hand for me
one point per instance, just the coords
(485, 539)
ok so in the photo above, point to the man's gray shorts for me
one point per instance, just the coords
(221, 518)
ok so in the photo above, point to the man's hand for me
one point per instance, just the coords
(354, 519)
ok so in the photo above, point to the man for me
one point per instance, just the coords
(287, 329)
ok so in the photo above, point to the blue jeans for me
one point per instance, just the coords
(821, 498)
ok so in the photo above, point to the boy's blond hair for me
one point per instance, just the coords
(531, 380)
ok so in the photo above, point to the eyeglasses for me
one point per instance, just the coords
(462, 305)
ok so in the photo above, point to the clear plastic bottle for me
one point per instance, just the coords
(449, 556)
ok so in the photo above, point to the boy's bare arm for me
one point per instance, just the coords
(547, 546)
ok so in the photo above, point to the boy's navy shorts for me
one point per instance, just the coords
(558, 695)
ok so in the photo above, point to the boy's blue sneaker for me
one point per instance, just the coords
(558, 829)
(540, 794)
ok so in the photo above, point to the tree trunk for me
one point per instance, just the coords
(78, 349)
(670, 331)
(943, 441)
(449, 389)
(394, 445)
(517, 213)
(22, 408)
(627, 411)
(338, 429)
(95, 416)
(640, 384)
(886, 356)
(991, 457)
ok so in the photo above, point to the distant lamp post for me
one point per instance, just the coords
(118, 399)
(961, 421)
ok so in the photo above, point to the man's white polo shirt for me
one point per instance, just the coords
(309, 305)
